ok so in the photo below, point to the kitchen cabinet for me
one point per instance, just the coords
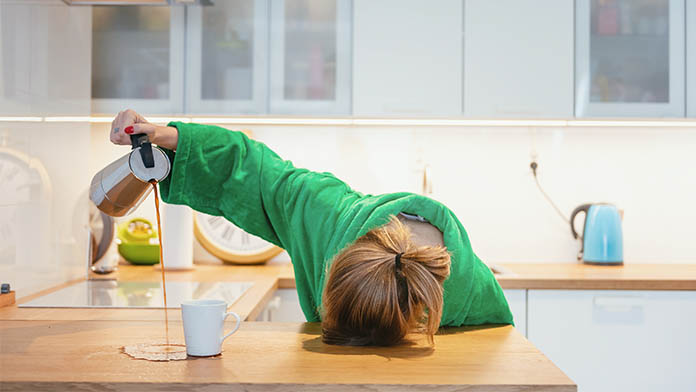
(227, 59)
(44, 58)
(691, 58)
(518, 58)
(284, 307)
(137, 59)
(629, 58)
(407, 58)
(608, 340)
(310, 53)
(517, 300)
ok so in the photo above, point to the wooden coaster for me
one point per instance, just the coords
(7, 299)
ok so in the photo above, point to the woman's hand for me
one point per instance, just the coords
(128, 122)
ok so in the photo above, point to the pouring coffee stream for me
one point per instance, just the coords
(121, 187)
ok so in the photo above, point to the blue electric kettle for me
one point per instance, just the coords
(602, 237)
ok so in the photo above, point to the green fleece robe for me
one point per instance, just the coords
(313, 216)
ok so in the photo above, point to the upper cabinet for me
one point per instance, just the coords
(137, 59)
(630, 58)
(518, 58)
(39, 73)
(227, 61)
(310, 56)
(240, 57)
(691, 59)
(407, 58)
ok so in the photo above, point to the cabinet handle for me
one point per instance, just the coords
(274, 304)
(618, 304)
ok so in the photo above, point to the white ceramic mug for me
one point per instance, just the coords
(204, 320)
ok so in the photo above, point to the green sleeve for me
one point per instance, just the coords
(222, 172)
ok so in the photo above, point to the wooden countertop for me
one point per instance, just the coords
(575, 276)
(85, 355)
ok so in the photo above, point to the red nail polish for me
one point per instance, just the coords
(128, 130)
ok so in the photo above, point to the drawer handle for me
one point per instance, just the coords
(618, 303)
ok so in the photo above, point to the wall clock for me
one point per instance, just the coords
(230, 243)
(24, 204)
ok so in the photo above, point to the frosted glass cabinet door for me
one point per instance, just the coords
(137, 59)
(310, 56)
(629, 58)
(227, 59)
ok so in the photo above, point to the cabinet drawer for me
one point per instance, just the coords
(617, 340)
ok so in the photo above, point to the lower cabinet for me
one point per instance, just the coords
(284, 307)
(617, 340)
(517, 300)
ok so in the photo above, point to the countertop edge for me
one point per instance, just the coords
(275, 387)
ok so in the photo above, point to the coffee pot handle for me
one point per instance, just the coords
(582, 208)
(141, 140)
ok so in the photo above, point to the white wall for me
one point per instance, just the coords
(483, 175)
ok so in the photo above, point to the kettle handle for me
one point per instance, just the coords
(141, 140)
(581, 208)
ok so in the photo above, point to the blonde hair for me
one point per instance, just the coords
(370, 299)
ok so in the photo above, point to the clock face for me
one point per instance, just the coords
(230, 243)
(23, 187)
(19, 183)
(17, 180)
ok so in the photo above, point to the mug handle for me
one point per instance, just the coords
(236, 327)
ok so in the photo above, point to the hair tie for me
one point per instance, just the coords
(397, 261)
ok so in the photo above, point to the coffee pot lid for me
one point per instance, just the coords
(158, 172)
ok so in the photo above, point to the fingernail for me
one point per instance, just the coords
(128, 130)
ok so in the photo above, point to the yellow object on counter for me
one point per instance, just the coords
(138, 242)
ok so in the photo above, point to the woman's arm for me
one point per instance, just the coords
(223, 172)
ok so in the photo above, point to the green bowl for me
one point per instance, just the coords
(140, 254)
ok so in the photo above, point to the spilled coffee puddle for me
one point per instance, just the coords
(156, 351)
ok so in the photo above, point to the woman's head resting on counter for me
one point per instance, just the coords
(382, 287)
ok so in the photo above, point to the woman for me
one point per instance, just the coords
(372, 268)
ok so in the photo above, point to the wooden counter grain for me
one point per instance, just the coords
(85, 355)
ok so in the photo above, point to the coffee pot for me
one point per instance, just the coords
(119, 188)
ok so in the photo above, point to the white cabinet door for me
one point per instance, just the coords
(518, 58)
(691, 58)
(407, 58)
(44, 58)
(517, 300)
(629, 58)
(310, 56)
(227, 58)
(137, 59)
(284, 307)
(617, 340)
